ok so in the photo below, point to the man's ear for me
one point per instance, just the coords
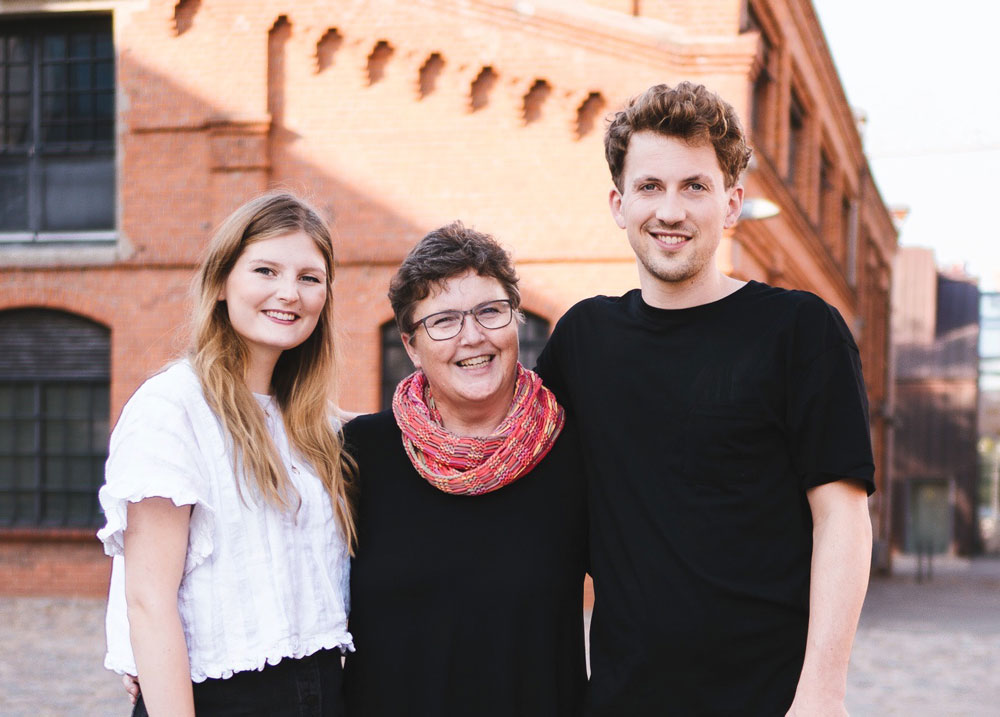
(734, 207)
(411, 351)
(615, 203)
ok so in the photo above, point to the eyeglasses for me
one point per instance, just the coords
(445, 325)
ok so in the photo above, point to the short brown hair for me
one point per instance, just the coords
(444, 253)
(688, 111)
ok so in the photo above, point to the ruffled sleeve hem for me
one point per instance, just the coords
(343, 642)
(120, 667)
(201, 542)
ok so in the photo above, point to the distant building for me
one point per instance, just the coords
(936, 344)
(130, 128)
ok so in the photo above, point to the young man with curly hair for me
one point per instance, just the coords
(725, 429)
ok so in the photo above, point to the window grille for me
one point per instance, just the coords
(54, 413)
(57, 158)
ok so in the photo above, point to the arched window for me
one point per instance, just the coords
(54, 410)
(396, 366)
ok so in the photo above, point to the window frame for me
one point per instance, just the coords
(55, 419)
(44, 494)
(33, 153)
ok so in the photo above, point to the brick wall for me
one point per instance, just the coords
(394, 118)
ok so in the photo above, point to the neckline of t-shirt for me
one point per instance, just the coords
(655, 312)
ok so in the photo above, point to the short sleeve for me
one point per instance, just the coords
(155, 452)
(827, 401)
(549, 364)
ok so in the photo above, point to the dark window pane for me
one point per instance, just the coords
(77, 474)
(81, 106)
(54, 77)
(77, 436)
(99, 427)
(105, 105)
(6, 437)
(18, 116)
(103, 46)
(79, 193)
(55, 469)
(6, 401)
(18, 49)
(56, 477)
(55, 436)
(56, 507)
(17, 134)
(55, 133)
(24, 401)
(77, 401)
(55, 402)
(104, 131)
(6, 474)
(13, 195)
(80, 75)
(19, 78)
(26, 473)
(81, 508)
(80, 132)
(105, 76)
(53, 107)
(80, 44)
(24, 438)
(54, 47)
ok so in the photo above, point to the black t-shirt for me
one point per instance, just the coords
(466, 605)
(701, 430)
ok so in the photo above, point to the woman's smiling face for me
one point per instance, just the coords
(477, 369)
(275, 293)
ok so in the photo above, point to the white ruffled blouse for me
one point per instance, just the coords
(259, 584)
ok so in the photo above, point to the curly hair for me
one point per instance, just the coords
(688, 111)
(442, 254)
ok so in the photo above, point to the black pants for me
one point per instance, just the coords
(308, 687)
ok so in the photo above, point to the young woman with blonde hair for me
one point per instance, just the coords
(225, 494)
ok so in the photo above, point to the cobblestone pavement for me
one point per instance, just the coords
(929, 649)
(922, 650)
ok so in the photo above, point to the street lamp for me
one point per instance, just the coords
(759, 208)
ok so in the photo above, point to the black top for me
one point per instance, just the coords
(465, 605)
(701, 430)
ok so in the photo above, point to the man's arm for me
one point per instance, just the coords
(841, 560)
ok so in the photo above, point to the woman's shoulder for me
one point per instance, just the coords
(172, 395)
(176, 382)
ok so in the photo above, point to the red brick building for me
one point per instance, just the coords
(131, 127)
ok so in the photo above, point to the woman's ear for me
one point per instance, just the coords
(411, 350)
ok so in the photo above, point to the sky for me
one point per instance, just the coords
(927, 75)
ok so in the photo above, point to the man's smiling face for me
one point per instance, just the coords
(674, 207)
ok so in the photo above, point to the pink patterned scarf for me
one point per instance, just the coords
(472, 465)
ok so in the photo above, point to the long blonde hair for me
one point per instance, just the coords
(303, 379)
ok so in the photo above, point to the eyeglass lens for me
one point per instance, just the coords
(447, 324)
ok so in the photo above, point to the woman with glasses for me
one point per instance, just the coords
(466, 586)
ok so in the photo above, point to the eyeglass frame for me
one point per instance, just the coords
(464, 313)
